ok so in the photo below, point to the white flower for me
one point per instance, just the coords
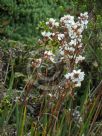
(56, 24)
(68, 76)
(72, 49)
(49, 55)
(46, 34)
(67, 19)
(84, 14)
(73, 42)
(80, 45)
(52, 59)
(84, 22)
(76, 77)
(36, 63)
(52, 22)
(60, 36)
(79, 31)
(84, 19)
(62, 52)
(75, 26)
(79, 58)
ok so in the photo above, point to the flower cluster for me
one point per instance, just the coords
(74, 32)
(68, 33)
(77, 117)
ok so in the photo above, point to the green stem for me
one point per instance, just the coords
(23, 122)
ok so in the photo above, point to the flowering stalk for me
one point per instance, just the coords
(68, 34)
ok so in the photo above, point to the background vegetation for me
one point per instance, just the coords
(21, 22)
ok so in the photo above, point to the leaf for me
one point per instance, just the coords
(18, 74)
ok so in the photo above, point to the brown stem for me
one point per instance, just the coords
(95, 116)
(55, 110)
